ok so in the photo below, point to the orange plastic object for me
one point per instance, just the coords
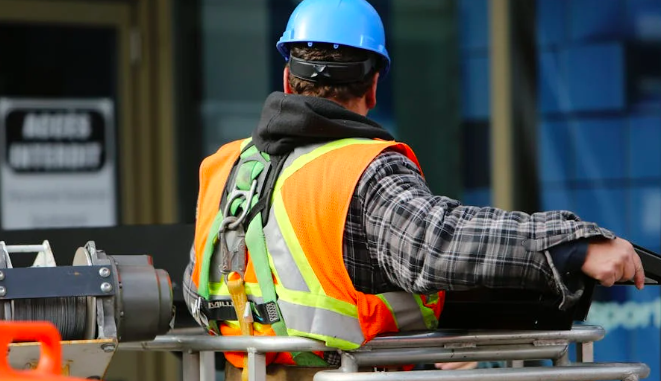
(50, 362)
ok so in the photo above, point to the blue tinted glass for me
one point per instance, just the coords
(599, 148)
(604, 205)
(557, 197)
(644, 147)
(552, 88)
(474, 24)
(645, 216)
(552, 21)
(475, 87)
(597, 19)
(555, 153)
(477, 197)
(595, 77)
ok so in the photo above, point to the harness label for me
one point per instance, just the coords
(220, 304)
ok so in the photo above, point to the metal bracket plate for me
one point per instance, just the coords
(50, 282)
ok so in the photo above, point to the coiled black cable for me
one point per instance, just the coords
(68, 314)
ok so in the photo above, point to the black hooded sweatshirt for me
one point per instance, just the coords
(289, 121)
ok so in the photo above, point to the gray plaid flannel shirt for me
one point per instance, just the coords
(399, 236)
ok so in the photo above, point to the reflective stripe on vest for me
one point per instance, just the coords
(406, 309)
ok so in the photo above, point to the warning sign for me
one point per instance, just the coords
(57, 163)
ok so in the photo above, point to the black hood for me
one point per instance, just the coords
(289, 121)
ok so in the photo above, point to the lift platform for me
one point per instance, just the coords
(514, 347)
(115, 296)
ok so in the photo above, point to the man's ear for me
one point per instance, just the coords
(285, 81)
(370, 97)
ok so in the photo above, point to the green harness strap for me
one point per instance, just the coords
(256, 243)
(248, 171)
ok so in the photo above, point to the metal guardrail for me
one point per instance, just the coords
(583, 372)
(411, 348)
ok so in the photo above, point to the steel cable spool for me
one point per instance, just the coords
(101, 296)
(93, 304)
(69, 315)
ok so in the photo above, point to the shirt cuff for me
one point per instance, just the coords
(568, 259)
(570, 256)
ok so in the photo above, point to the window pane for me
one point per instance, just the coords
(235, 68)
(599, 144)
(475, 101)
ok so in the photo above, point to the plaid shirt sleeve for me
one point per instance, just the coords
(424, 243)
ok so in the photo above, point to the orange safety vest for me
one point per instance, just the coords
(304, 240)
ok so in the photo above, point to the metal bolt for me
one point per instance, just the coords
(3, 291)
(108, 347)
(104, 272)
(106, 287)
(2, 275)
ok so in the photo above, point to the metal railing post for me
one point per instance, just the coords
(349, 363)
(191, 365)
(585, 352)
(515, 364)
(207, 366)
(256, 365)
(563, 360)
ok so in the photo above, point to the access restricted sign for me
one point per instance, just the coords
(57, 163)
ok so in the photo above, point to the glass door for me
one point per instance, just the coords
(65, 102)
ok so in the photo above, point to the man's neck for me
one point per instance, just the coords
(356, 105)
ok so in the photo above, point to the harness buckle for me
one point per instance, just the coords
(247, 312)
(232, 250)
(231, 236)
(198, 315)
(236, 194)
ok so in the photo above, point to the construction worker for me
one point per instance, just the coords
(320, 225)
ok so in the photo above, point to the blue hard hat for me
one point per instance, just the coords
(352, 23)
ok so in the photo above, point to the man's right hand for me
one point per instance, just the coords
(613, 260)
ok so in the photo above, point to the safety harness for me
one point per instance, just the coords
(243, 213)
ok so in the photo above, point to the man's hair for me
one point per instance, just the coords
(326, 52)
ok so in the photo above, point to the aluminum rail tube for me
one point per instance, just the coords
(188, 331)
(199, 343)
(208, 366)
(585, 352)
(256, 366)
(585, 372)
(191, 366)
(578, 334)
(173, 342)
(25, 248)
(431, 355)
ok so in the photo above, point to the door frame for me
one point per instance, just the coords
(116, 15)
(145, 100)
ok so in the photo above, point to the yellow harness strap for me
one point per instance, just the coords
(240, 300)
